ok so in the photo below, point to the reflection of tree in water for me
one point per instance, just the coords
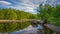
(39, 28)
(42, 29)
(10, 27)
(45, 30)
(34, 24)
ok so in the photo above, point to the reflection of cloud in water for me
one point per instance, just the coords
(40, 26)
(28, 30)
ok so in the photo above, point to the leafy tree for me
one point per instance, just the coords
(8, 14)
(12, 14)
(50, 13)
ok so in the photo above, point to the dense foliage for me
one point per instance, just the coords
(50, 13)
(12, 14)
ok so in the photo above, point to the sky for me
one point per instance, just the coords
(26, 5)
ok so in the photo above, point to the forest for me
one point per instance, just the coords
(50, 13)
(13, 14)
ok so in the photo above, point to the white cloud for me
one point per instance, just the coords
(27, 5)
(52, 1)
(4, 3)
(33, 1)
(26, 9)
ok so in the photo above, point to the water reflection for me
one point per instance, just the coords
(7, 28)
(23, 28)
(30, 30)
(19, 28)
(39, 28)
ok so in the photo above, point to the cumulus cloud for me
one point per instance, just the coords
(4, 3)
(52, 2)
(24, 8)
(32, 1)
(27, 5)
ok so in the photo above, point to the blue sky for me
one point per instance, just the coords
(26, 5)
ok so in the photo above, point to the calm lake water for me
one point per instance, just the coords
(24, 28)
(28, 30)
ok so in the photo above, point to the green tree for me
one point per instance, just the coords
(50, 13)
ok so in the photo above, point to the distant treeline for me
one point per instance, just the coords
(50, 13)
(13, 14)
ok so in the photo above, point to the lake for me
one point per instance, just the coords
(29, 30)
(19, 28)
(23, 28)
